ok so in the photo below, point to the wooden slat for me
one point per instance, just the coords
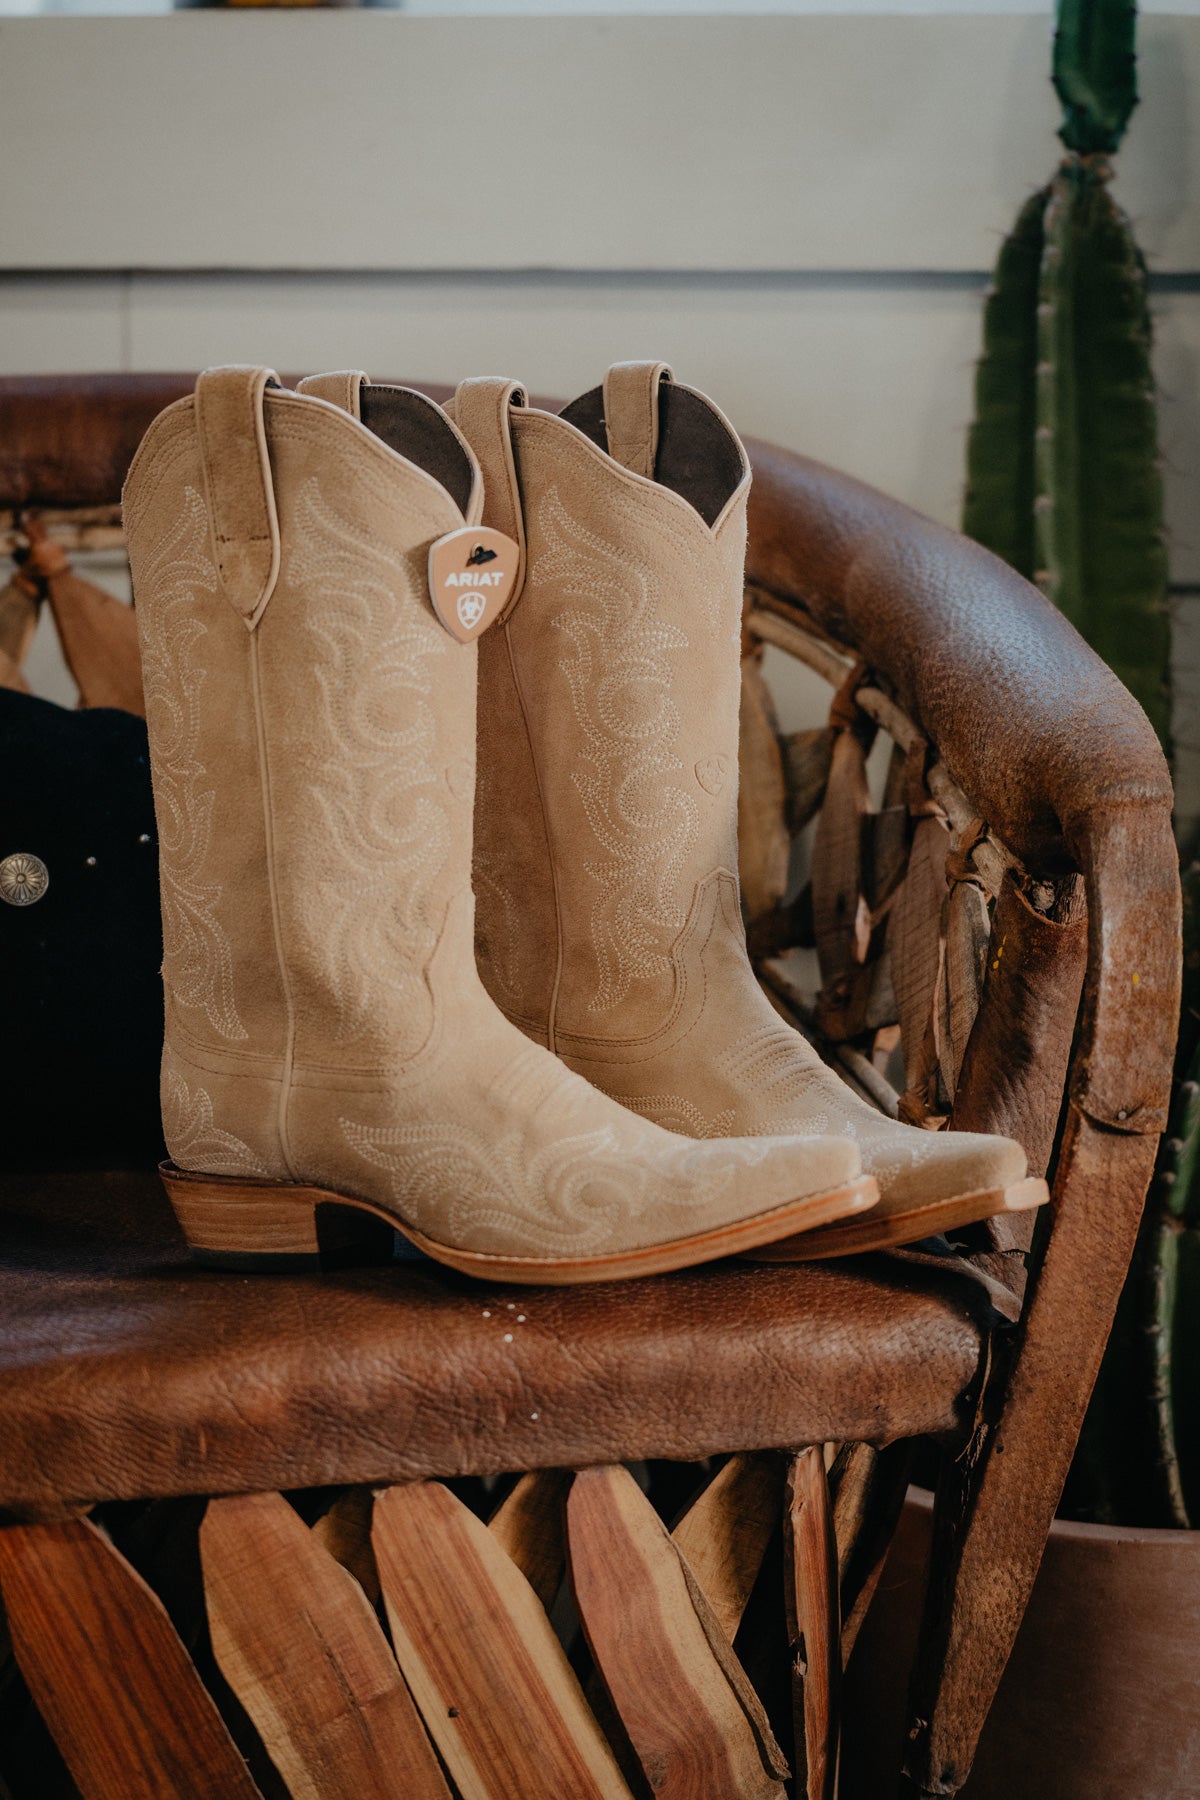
(806, 759)
(915, 941)
(968, 928)
(763, 842)
(692, 1717)
(109, 1674)
(885, 854)
(850, 1487)
(344, 1530)
(814, 1632)
(769, 626)
(531, 1528)
(868, 1488)
(297, 1640)
(841, 917)
(992, 857)
(724, 1534)
(493, 1684)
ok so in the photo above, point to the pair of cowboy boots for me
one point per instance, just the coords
(571, 1075)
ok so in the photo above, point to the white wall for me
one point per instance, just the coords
(798, 211)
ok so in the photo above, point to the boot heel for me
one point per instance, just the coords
(236, 1222)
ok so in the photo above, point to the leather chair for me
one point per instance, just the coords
(129, 1376)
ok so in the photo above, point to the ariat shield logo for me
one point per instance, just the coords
(711, 772)
(470, 608)
(472, 573)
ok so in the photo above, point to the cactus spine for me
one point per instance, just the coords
(1064, 482)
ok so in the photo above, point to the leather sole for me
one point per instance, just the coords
(885, 1231)
(236, 1222)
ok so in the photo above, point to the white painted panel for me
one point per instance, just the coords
(875, 379)
(877, 382)
(1177, 365)
(62, 326)
(874, 376)
(361, 139)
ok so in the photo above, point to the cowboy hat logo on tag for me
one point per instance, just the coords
(472, 572)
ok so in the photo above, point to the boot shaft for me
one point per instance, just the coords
(310, 721)
(608, 722)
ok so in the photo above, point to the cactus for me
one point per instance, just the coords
(1063, 475)
(1095, 72)
(1063, 481)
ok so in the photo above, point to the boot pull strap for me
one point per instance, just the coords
(481, 409)
(344, 389)
(631, 413)
(237, 479)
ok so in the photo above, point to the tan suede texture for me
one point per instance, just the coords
(233, 453)
(625, 645)
(314, 781)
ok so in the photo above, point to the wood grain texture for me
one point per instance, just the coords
(298, 1642)
(915, 945)
(724, 1534)
(763, 842)
(109, 1674)
(806, 759)
(814, 1630)
(868, 1488)
(841, 917)
(967, 929)
(885, 854)
(692, 1717)
(493, 1684)
(344, 1530)
(530, 1527)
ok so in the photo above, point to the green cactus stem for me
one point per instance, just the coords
(1099, 544)
(1095, 72)
(1001, 474)
(1063, 476)
(1173, 1303)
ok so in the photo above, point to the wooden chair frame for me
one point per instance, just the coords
(1006, 727)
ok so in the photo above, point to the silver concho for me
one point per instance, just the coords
(24, 878)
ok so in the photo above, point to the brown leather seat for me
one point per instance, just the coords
(126, 1373)
(129, 1373)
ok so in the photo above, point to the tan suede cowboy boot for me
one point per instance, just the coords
(312, 742)
(608, 921)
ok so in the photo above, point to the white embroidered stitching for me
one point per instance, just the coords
(194, 1140)
(198, 959)
(619, 676)
(543, 1179)
(389, 835)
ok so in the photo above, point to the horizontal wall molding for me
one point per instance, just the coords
(374, 141)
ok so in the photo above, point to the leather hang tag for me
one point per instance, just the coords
(471, 576)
